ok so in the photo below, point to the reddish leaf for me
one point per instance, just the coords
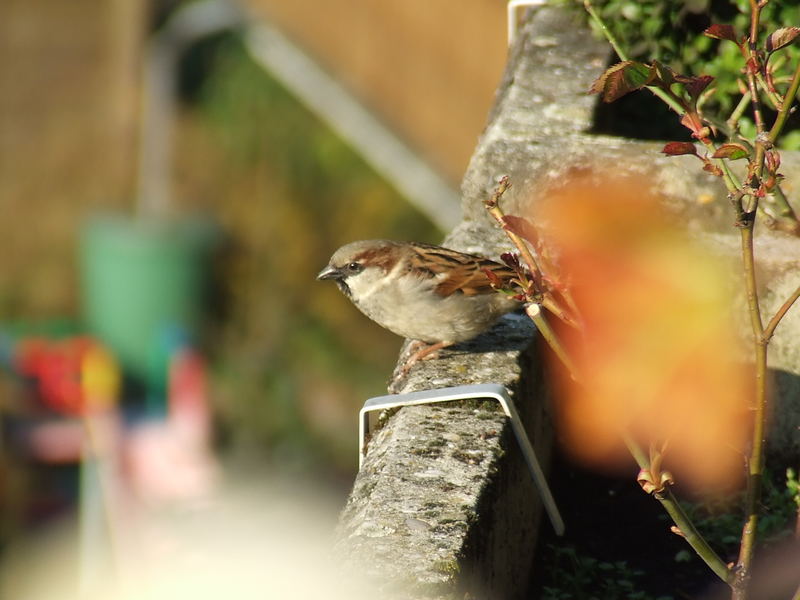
(752, 65)
(731, 151)
(494, 280)
(722, 32)
(712, 168)
(692, 122)
(621, 79)
(782, 37)
(679, 148)
(773, 160)
(511, 259)
(522, 227)
(696, 85)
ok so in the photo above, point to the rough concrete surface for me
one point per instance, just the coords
(443, 490)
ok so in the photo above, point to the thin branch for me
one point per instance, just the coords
(493, 206)
(756, 460)
(606, 31)
(778, 202)
(784, 211)
(681, 519)
(741, 107)
(693, 537)
(769, 330)
(751, 286)
(545, 299)
(774, 99)
(754, 480)
(534, 311)
(638, 454)
(784, 111)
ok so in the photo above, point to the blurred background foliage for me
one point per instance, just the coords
(292, 359)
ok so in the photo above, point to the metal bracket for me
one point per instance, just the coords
(491, 391)
(511, 15)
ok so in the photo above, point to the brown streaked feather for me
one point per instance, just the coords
(465, 272)
(383, 257)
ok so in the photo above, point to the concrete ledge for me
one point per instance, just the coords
(444, 491)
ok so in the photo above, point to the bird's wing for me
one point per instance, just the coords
(457, 272)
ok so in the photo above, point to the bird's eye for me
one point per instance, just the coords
(355, 267)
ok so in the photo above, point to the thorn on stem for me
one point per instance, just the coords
(677, 531)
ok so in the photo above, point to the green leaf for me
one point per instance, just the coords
(663, 73)
(781, 38)
(731, 151)
(621, 79)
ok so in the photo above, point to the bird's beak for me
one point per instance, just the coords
(329, 272)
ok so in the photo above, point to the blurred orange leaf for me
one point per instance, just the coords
(659, 359)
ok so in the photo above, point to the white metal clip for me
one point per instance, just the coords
(491, 391)
(512, 8)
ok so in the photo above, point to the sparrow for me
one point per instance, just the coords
(422, 292)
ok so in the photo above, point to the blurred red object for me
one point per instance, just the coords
(72, 375)
(170, 459)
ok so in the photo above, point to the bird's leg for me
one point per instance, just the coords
(420, 351)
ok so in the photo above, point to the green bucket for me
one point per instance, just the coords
(141, 282)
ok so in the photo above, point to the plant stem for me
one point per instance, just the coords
(774, 99)
(639, 455)
(769, 330)
(782, 207)
(751, 57)
(606, 31)
(681, 519)
(493, 206)
(751, 286)
(782, 212)
(693, 537)
(556, 309)
(534, 311)
(733, 120)
(754, 480)
(784, 111)
(756, 459)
